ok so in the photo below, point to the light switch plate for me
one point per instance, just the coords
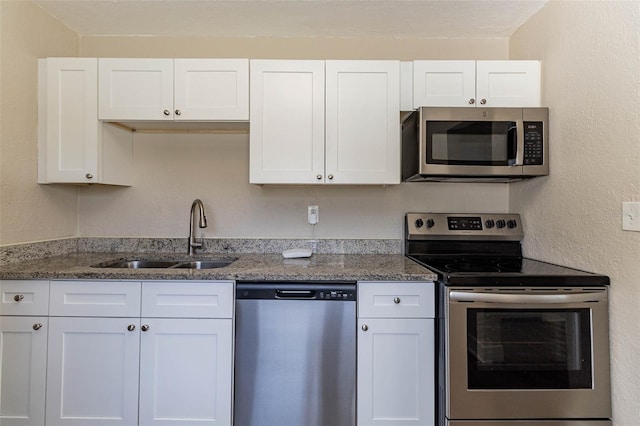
(631, 216)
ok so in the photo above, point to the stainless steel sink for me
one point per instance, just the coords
(137, 264)
(204, 264)
(165, 264)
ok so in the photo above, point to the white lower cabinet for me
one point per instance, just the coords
(185, 372)
(23, 351)
(131, 370)
(23, 359)
(396, 354)
(92, 371)
(186, 354)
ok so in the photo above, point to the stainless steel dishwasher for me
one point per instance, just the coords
(295, 354)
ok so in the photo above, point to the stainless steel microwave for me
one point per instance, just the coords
(475, 144)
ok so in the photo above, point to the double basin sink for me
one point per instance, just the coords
(165, 264)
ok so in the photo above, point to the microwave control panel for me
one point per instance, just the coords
(533, 141)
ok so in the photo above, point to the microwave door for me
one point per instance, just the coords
(469, 148)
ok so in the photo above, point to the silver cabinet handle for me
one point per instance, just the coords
(18, 297)
(319, 177)
(483, 101)
(37, 326)
(89, 176)
(166, 112)
(365, 327)
(145, 327)
(131, 327)
(330, 177)
(178, 112)
(472, 101)
(396, 300)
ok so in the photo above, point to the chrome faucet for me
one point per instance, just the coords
(194, 243)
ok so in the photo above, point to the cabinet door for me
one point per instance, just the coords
(444, 83)
(135, 89)
(362, 122)
(67, 120)
(396, 372)
(186, 372)
(23, 359)
(508, 83)
(92, 371)
(287, 122)
(211, 89)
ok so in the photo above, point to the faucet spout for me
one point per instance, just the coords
(194, 242)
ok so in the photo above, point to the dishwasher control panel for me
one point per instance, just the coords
(336, 294)
(319, 291)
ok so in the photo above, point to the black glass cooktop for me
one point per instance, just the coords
(506, 271)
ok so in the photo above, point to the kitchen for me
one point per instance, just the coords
(590, 60)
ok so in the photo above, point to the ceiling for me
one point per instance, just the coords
(295, 18)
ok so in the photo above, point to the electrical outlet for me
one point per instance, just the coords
(313, 215)
(631, 216)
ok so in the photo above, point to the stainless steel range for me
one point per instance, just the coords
(521, 342)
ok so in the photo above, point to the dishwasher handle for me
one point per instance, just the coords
(295, 294)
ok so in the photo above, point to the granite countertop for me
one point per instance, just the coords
(321, 267)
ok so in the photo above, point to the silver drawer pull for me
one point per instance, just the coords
(37, 326)
(396, 300)
(145, 327)
(365, 327)
(18, 297)
(131, 327)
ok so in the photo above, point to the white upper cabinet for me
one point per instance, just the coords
(173, 89)
(317, 122)
(362, 123)
(211, 89)
(73, 146)
(476, 83)
(508, 83)
(287, 122)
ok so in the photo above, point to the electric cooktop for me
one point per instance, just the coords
(483, 250)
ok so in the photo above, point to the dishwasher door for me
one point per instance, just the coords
(295, 354)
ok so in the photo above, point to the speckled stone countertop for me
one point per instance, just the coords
(320, 267)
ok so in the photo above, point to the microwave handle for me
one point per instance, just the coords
(519, 143)
(469, 296)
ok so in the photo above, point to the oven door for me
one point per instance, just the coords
(527, 353)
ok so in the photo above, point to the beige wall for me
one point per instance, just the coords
(28, 211)
(294, 48)
(172, 170)
(590, 53)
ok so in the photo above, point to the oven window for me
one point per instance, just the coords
(481, 143)
(529, 348)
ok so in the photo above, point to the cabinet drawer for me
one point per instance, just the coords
(187, 299)
(95, 298)
(396, 300)
(20, 297)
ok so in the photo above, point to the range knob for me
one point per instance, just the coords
(500, 223)
(512, 224)
(430, 223)
(489, 224)
(419, 223)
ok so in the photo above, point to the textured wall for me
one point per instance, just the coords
(591, 78)
(28, 211)
(172, 170)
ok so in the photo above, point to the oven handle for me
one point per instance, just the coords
(468, 296)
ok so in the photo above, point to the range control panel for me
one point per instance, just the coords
(447, 226)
